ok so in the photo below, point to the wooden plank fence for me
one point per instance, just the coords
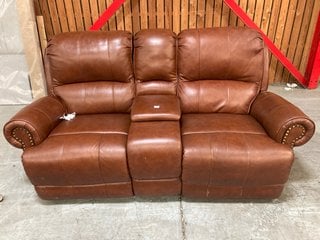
(289, 23)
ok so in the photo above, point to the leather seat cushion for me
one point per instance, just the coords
(232, 150)
(87, 150)
(220, 122)
(94, 123)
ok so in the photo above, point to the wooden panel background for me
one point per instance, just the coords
(288, 23)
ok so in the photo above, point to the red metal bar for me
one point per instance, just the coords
(313, 67)
(276, 52)
(116, 4)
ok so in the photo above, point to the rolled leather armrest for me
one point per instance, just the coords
(155, 108)
(32, 124)
(283, 121)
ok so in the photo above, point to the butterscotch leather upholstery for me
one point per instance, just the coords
(155, 62)
(90, 74)
(155, 107)
(154, 141)
(227, 151)
(159, 114)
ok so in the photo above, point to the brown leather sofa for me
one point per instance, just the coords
(158, 115)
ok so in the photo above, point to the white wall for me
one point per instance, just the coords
(14, 77)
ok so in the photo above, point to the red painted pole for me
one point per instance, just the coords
(313, 67)
(276, 52)
(107, 15)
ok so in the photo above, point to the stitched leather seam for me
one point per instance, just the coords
(81, 133)
(211, 165)
(214, 132)
(100, 168)
(81, 186)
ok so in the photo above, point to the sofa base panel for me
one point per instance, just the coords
(109, 190)
(157, 188)
(231, 192)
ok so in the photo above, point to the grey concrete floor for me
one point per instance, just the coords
(295, 215)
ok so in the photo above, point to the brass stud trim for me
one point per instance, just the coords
(284, 140)
(27, 132)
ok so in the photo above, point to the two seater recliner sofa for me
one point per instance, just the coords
(158, 115)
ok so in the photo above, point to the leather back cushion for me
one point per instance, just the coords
(223, 96)
(91, 71)
(97, 97)
(155, 62)
(220, 69)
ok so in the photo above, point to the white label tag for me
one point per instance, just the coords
(156, 106)
(68, 116)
